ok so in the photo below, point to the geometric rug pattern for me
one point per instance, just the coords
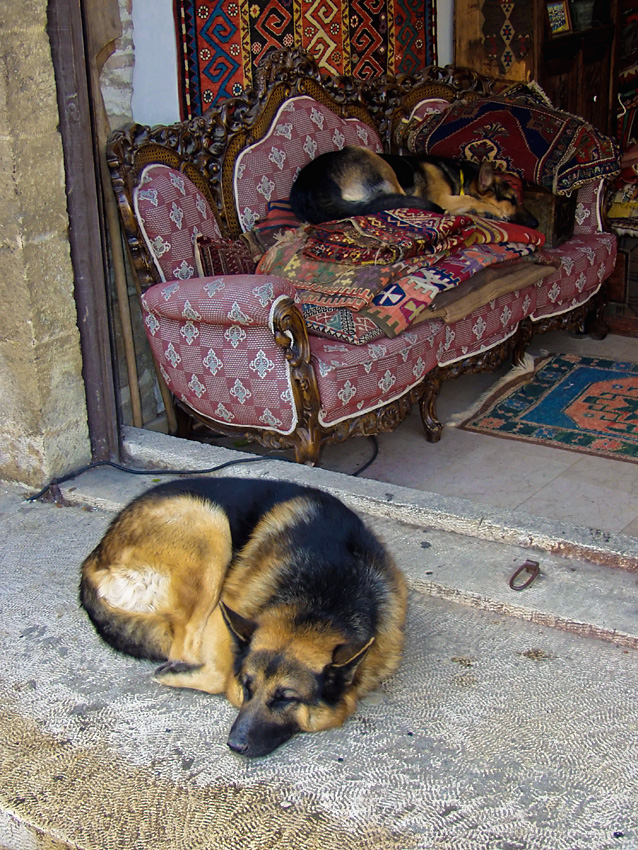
(584, 404)
(220, 42)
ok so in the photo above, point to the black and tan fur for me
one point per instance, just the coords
(275, 594)
(357, 181)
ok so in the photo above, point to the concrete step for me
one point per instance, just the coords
(498, 731)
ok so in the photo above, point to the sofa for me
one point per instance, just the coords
(246, 351)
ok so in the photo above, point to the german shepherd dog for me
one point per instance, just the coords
(357, 181)
(275, 594)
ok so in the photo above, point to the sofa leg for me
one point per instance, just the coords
(427, 406)
(307, 450)
(184, 423)
(595, 324)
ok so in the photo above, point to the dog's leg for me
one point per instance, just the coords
(189, 630)
(466, 205)
(215, 665)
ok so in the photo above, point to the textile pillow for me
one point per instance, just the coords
(520, 135)
(171, 211)
(279, 220)
(223, 256)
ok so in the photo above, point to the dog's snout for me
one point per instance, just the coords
(526, 218)
(256, 733)
(238, 738)
(236, 746)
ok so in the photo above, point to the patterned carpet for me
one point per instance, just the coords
(585, 404)
(220, 42)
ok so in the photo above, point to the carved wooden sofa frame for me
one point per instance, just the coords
(205, 149)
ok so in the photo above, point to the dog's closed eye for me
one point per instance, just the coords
(284, 697)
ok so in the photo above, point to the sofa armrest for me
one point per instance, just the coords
(589, 205)
(225, 300)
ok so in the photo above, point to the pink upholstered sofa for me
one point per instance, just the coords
(237, 351)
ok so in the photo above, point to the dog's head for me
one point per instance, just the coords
(500, 196)
(284, 686)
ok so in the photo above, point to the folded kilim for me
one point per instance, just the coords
(394, 235)
(387, 237)
(394, 294)
(405, 301)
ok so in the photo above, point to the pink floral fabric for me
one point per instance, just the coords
(486, 327)
(215, 349)
(585, 262)
(354, 379)
(171, 213)
(302, 129)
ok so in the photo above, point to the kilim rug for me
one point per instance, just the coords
(220, 42)
(585, 404)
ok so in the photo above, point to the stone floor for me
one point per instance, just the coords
(510, 725)
(533, 479)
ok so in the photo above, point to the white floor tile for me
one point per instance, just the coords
(540, 480)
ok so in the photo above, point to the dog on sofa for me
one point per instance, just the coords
(357, 181)
(275, 594)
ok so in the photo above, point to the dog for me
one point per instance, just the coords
(357, 181)
(275, 594)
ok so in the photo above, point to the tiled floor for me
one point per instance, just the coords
(554, 483)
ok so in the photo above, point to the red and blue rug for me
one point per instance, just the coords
(220, 42)
(584, 404)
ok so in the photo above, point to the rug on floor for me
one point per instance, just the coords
(584, 404)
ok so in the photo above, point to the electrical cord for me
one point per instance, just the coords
(375, 452)
(55, 482)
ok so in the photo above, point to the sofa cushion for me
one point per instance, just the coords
(544, 146)
(585, 262)
(356, 379)
(486, 327)
(171, 212)
(301, 129)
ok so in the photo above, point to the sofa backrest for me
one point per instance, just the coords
(301, 129)
(171, 213)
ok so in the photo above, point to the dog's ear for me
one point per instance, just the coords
(485, 178)
(241, 628)
(346, 658)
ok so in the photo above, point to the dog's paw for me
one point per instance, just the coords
(167, 672)
(200, 677)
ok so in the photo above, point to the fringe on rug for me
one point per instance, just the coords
(517, 375)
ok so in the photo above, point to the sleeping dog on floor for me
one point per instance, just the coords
(357, 181)
(273, 593)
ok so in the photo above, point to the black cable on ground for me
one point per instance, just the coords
(375, 452)
(55, 482)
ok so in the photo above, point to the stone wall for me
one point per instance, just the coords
(43, 426)
(117, 75)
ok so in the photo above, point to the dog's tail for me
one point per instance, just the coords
(395, 202)
(336, 209)
(138, 634)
